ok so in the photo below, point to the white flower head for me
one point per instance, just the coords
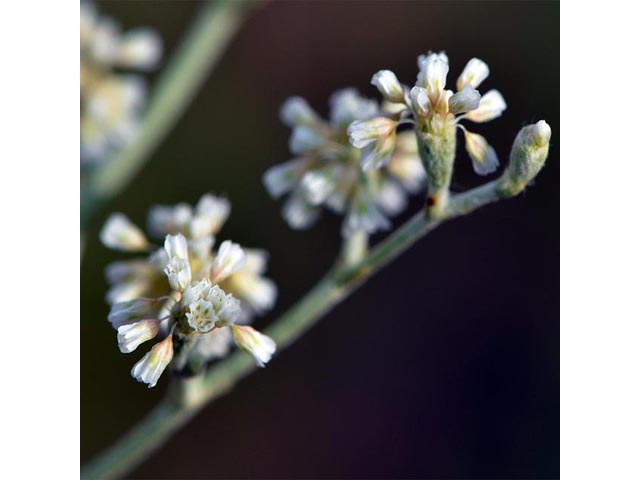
(178, 270)
(491, 106)
(474, 73)
(132, 335)
(484, 157)
(119, 233)
(465, 100)
(389, 86)
(251, 341)
(296, 111)
(229, 259)
(208, 306)
(151, 366)
(377, 137)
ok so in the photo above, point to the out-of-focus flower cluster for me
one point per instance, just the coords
(188, 291)
(111, 101)
(326, 169)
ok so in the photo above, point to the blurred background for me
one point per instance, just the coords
(458, 375)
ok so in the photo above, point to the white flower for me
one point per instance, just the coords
(249, 284)
(119, 233)
(379, 135)
(491, 106)
(465, 100)
(474, 73)
(317, 185)
(296, 111)
(210, 213)
(281, 178)
(258, 345)
(299, 213)
(484, 157)
(389, 86)
(132, 335)
(208, 306)
(151, 366)
(304, 139)
(178, 270)
(123, 313)
(229, 259)
(433, 74)
(140, 48)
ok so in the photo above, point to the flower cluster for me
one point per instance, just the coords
(326, 172)
(186, 290)
(110, 102)
(435, 113)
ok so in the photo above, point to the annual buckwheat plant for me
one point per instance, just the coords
(326, 171)
(110, 99)
(194, 295)
(198, 298)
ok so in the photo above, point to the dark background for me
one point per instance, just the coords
(456, 373)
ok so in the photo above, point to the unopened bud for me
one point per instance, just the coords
(528, 154)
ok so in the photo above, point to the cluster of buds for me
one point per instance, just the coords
(435, 113)
(111, 102)
(199, 298)
(326, 168)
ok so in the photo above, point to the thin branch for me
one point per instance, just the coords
(187, 397)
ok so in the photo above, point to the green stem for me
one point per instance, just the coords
(187, 397)
(182, 78)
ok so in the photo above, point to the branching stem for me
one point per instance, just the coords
(187, 396)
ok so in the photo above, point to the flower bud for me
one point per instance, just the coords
(251, 341)
(389, 86)
(151, 366)
(528, 154)
(119, 233)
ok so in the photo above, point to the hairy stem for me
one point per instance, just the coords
(182, 78)
(188, 396)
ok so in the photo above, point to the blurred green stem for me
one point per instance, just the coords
(187, 397)
(175, 89)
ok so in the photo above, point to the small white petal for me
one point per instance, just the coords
(215, 344)
(140, 48)
(123, 313)
(484, 157)
(362, 133)
(298, 213)
(303, 139)
(420, 103)
(317, 185)
(210, 213)
(132, 335)
(178, 272)
(296, 111)
(491, 106)
(378, 154)
(258, 345)
(474, 73)
(164, 220)
(465, 100)
(388, 85)
(229, 260)
(176, 246)
(119, 233)
(151, 366)
(281, 178)
(433, 74)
